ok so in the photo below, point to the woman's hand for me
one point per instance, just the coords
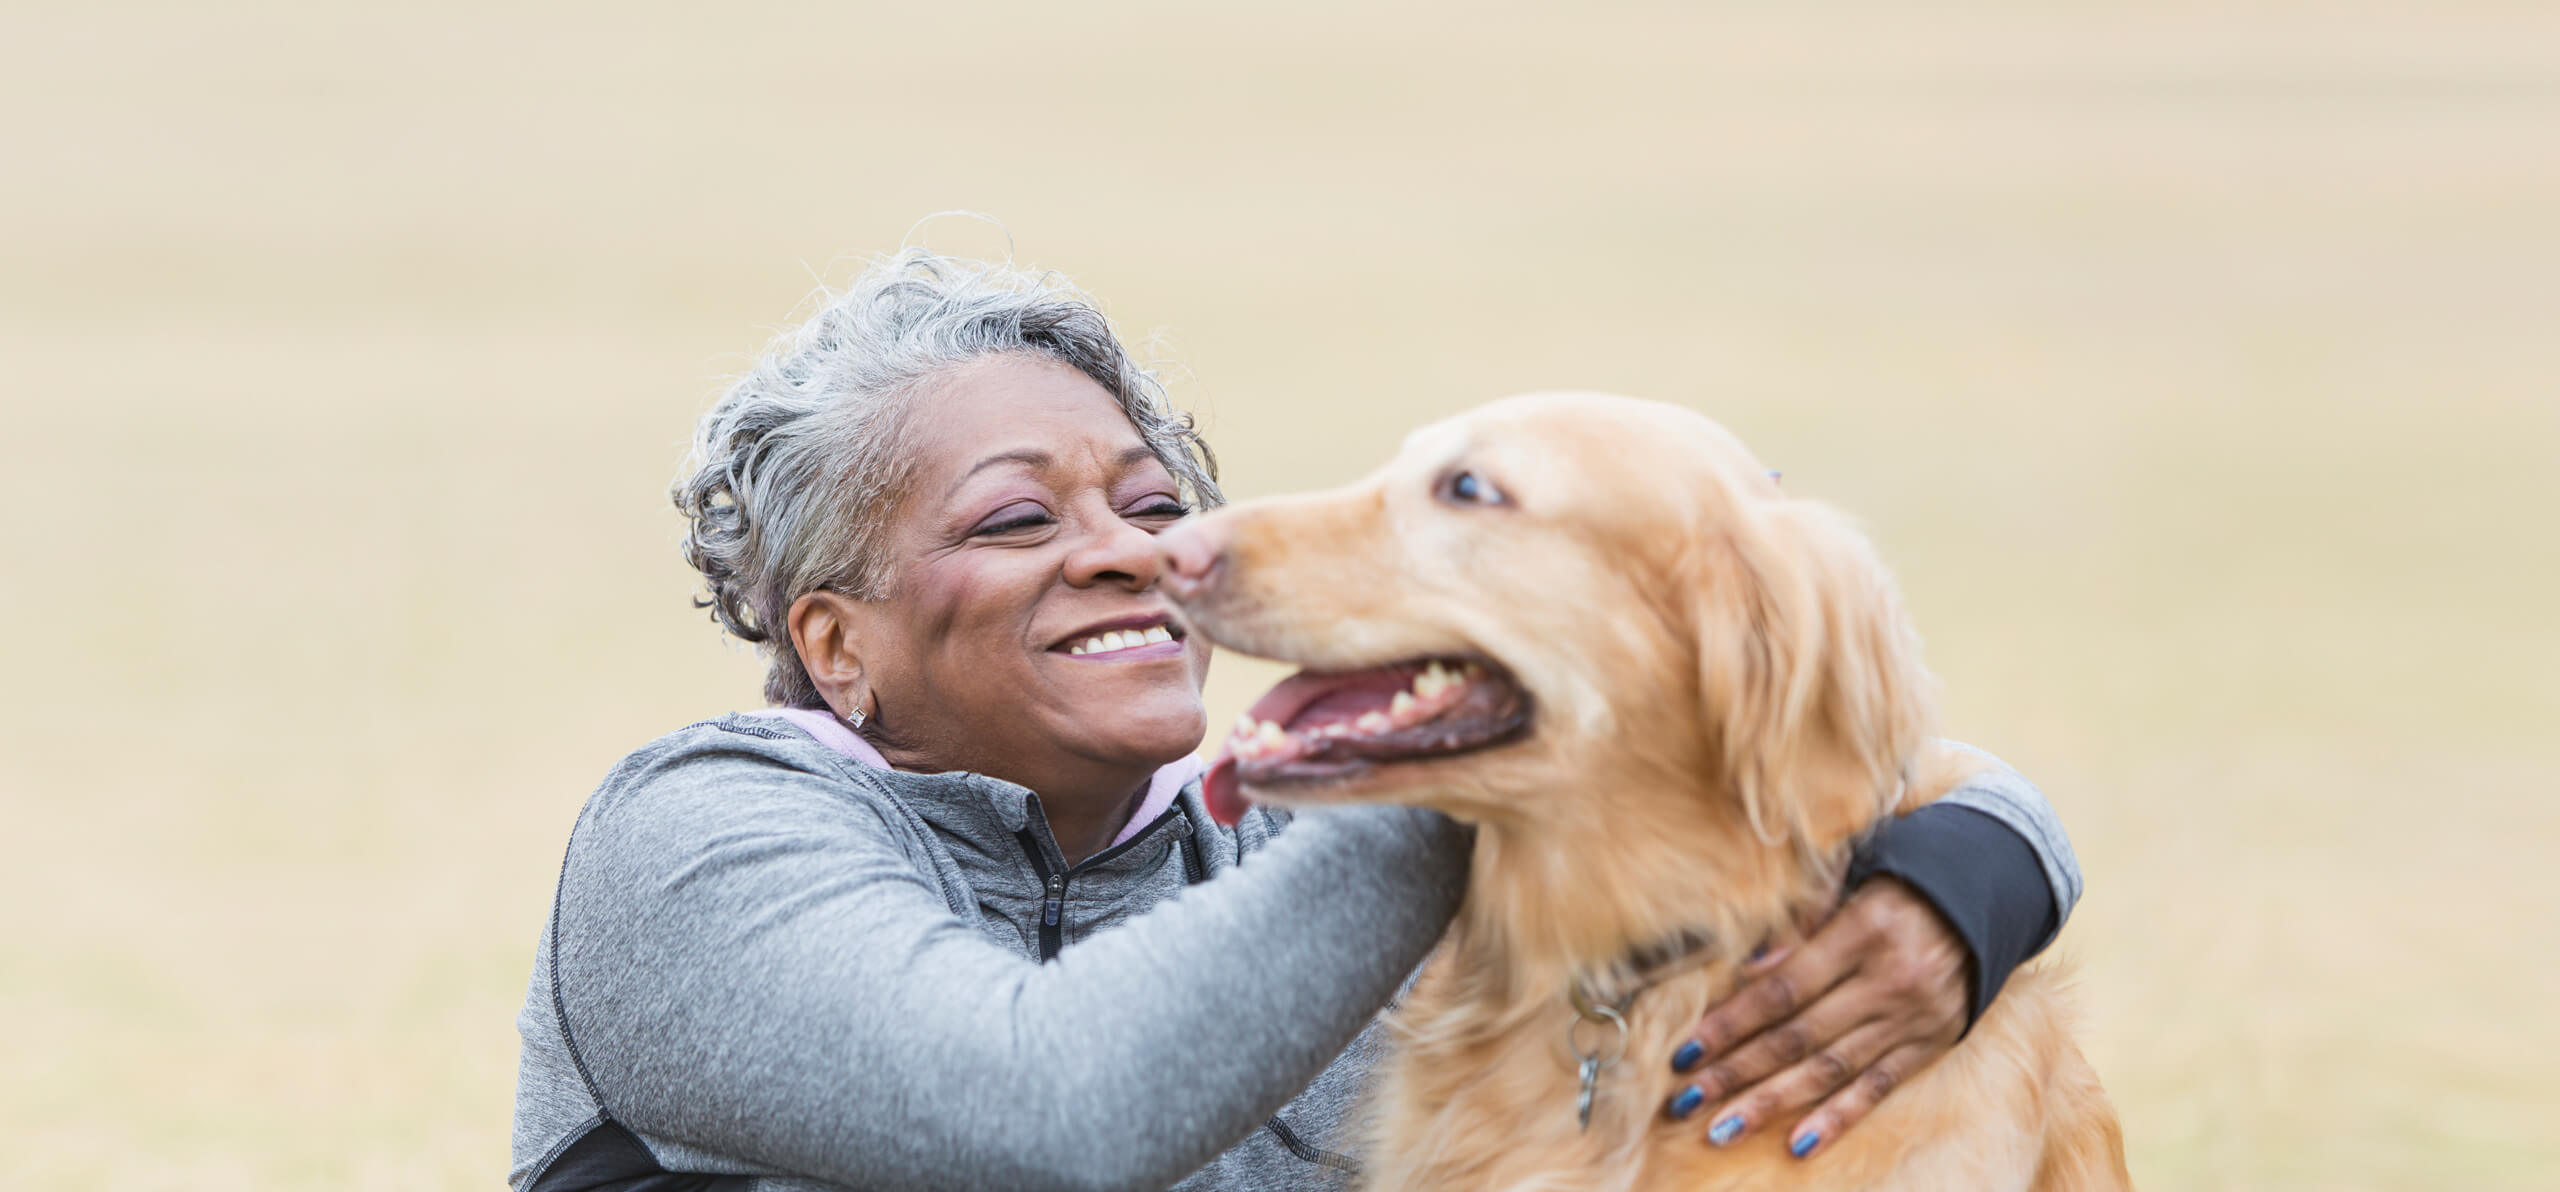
(1876, 994)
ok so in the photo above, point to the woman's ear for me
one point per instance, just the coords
(822, 627)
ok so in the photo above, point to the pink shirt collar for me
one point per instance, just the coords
(832, 733)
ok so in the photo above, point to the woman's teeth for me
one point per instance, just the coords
(1121, 639)
(1431, 693)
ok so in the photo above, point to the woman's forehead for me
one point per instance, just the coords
(1021, 413)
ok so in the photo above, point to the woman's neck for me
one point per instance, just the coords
(1086, 803)
(1084, 824)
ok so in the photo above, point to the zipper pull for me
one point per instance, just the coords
(1050, 910)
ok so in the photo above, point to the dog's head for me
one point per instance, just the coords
(1552, 596)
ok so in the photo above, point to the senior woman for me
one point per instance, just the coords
(950, 913)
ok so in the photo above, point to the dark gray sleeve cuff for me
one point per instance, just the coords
(1982, 877)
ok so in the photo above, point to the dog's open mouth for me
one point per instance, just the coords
(1332, 726)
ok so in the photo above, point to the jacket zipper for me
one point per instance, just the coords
(1053, 922)
(1052, 916)
(1053, 884)
(1053, 905)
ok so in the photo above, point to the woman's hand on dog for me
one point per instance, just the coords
(1833, 1023)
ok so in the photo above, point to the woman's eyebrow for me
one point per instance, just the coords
(1032, 456)
(1037, 459)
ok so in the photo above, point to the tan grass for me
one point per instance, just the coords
(2194, 366)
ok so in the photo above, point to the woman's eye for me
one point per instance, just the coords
(1164, 508)
(1012, 523)
(1469, 488)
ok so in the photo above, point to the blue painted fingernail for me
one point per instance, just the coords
(1804, 1143)
(1688, 1101)
(1688, 1056)
(1725, 1131)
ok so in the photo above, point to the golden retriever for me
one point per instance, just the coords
(1670, 696)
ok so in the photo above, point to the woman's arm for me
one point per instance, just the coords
(1944, 903)
(746, 967)
(2007, 797)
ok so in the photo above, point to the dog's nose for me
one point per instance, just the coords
(1190, 553)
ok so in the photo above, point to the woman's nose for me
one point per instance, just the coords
(1116, 552)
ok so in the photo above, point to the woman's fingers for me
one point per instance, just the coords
(1877, 993)
(1802, 1084)
(1796, 1041)
(1765, 1001)
(1857, 1098)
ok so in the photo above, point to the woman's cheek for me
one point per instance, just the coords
(967, 599)
(1196, 650)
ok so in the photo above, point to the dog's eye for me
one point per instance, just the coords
(1468, 488)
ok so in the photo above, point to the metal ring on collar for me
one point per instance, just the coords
(1606, 1016)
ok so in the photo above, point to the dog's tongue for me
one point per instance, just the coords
(1220, 791)
(1335, 696)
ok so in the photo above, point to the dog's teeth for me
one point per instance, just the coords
(1373, 723)
(1336, 729)
(1245, 724)
(1401, 705)
(1271, 734)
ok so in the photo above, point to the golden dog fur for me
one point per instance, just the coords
(1726, 693)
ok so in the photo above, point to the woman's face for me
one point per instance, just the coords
(1023, 635)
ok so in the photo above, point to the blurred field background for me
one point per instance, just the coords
(2196, 364)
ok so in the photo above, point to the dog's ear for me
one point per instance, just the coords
(1810, 673)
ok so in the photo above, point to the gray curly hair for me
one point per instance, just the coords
(795, 469)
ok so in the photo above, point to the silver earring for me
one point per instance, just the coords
(853, 717)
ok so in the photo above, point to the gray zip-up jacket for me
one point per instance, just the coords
(769, 967)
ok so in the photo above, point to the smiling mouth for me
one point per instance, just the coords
(1122, 640)
(1333, 727)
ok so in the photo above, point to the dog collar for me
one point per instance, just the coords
(1642, 969)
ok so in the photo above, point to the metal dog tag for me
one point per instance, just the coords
(1592, 1061)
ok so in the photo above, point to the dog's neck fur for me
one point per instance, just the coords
(1540, 914)
(1538, 917)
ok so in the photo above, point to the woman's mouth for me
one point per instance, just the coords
(1117, 640)
(1128, 639)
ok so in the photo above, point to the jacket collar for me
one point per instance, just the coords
(967, 804)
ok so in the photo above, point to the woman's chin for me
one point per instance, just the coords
(1156, 736)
